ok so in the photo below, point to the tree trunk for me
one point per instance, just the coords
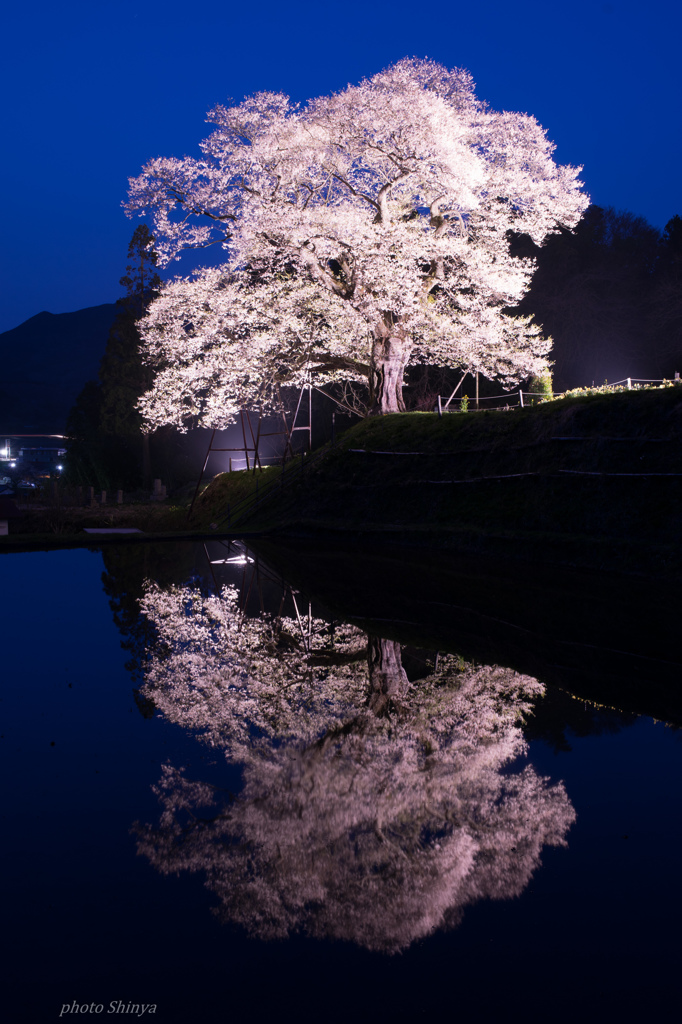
(387, 677)
(389, 358)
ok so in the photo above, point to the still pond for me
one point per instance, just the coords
(239, 786)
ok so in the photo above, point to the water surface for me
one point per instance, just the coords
(259, 805)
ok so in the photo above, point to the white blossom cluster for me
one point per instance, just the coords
(242, 682)
(364, 230)
(372, 820)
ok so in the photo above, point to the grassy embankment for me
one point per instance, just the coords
(579, 480)
(506, 484)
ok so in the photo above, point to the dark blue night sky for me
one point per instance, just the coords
(94, 91)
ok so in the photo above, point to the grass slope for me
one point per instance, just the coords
(481, 478)
(588, 480)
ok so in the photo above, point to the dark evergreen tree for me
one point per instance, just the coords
(123, 375)
(111, 446)
(140, 280)
(86, 463)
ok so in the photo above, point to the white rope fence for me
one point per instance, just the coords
(515, 399)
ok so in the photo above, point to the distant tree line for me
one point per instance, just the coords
(610, 295)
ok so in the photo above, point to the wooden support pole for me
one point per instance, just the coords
(256, 456)
(298, 406)
(248, 420)
(246, 451)
(288, 450)
(456, 389)
(201, 476)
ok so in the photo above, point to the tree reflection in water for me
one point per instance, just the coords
(373, 809)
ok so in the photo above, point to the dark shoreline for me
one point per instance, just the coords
(591, 483)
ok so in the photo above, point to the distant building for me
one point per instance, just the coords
(42, 461)
(39, 457)
(42, 455)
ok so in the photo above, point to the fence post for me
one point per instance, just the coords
(440, 408)
(521, 398)
(629, 384)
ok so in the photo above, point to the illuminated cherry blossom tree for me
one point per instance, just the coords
(364, 230)
(373, 810)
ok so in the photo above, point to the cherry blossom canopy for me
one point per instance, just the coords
(363, 231)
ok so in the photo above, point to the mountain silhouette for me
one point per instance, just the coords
(45, 362)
